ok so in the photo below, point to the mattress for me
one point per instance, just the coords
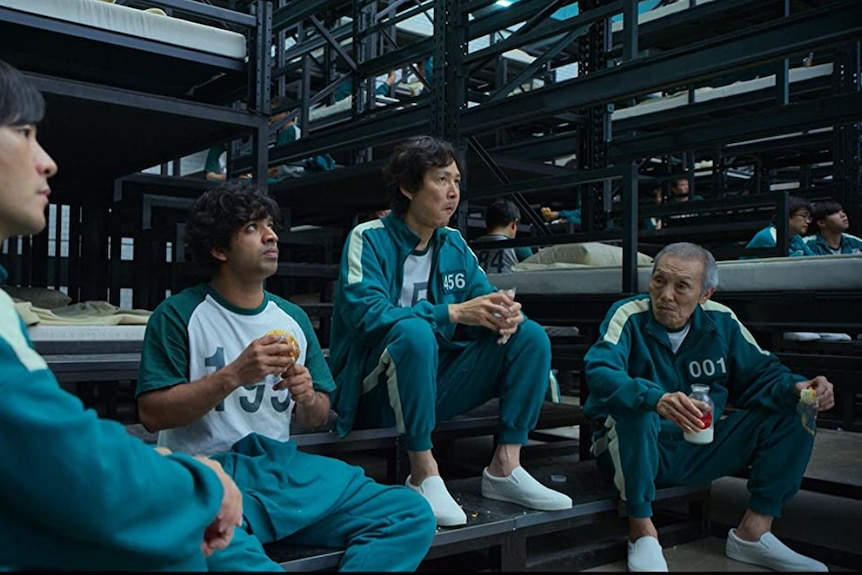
(138, 23)
(78, 333)
(706, 94)
(817, 273)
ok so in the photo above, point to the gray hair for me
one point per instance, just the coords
(688, 251)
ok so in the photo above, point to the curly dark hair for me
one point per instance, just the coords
(219, 213)
(407, 166)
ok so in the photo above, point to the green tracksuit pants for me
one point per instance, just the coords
(415, 380)
(638, 456)
(319, 501)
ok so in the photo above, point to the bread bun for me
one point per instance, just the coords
(289, 340)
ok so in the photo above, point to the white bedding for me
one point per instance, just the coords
(705, 94)
(840, 273)
(139, 23)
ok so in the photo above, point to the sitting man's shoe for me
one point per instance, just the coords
(446, 510)
(801, 336)
(520, 487)
(835, 337)
(645, 555)
(769, 552)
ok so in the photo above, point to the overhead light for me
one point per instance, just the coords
(504, 3)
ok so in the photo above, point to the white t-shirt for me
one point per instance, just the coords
(414, 283)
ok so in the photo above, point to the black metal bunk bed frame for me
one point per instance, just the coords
(570, 116)
(145, 103)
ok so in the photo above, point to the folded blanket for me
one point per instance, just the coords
(84, 313)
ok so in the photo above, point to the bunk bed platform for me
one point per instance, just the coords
(126, 21)
(707, 94)
(114, 45)
(127, 90)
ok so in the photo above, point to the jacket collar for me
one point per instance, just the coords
(407, 238)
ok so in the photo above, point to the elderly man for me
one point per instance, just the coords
(650, 351)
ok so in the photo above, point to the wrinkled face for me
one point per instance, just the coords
(433, 204)
(253, 252)
(675, 290)
(836, 222)
(799, 221)
(24, 171)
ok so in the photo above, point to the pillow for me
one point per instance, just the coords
(46, 298)
(594, 254)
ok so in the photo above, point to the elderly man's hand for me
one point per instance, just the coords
(682, 410)
(825, 393)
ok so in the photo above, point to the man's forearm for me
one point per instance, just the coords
(314, 413)
(184, 403)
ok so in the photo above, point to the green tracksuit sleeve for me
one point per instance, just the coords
(757, 378)
(606, 362)
(367, 303)
(80, 493)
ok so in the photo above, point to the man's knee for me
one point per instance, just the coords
(532, 336)
(413, 337)
(788, 427)
(643, 425)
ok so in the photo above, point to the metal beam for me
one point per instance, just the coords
(541, 148)
(553, 28)
(814, 28)
(200, 9)
(380, 129)
(137, 100)
(315, 21)
(536, 64)
(527, 213)
(295, 12)
(543, 184)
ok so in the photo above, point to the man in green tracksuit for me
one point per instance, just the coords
(799, 210)
(830, 227)
(213, 379)
(79, 492)
(419, 334)
(651, 349)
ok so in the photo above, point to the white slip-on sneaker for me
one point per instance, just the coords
(835, 337)
(520, 487)
(645, 554)
(801, 336)
(769, 552)
(446, 510)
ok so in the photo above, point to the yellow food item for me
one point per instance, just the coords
(808, 395)
(288, 339)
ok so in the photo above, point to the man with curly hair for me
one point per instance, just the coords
(212, 380)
